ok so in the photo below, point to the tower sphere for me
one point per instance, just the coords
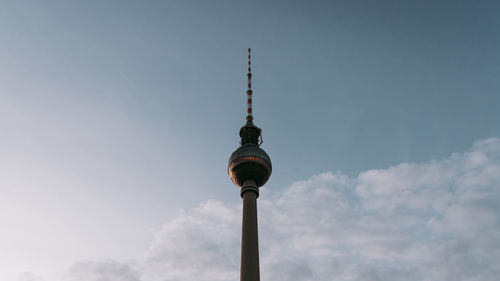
(249, 162)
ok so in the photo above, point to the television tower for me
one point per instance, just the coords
(249, 168)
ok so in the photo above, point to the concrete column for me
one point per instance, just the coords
(249, 234)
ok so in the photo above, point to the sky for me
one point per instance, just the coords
(117, 119)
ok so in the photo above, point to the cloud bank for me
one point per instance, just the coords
(438, 220)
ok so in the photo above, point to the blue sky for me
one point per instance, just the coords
(118, 117)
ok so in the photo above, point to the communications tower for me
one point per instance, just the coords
(249, 168)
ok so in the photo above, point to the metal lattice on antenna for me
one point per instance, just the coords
(249, 91)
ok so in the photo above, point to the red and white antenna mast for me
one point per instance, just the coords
(249, 91)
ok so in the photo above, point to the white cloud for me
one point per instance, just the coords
(100, 271)
(415, 221)
(28, 276)
(201, 244)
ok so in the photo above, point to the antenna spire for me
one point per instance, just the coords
(249, 91)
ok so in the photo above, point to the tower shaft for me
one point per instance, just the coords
(249, 168)
(249, 234)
